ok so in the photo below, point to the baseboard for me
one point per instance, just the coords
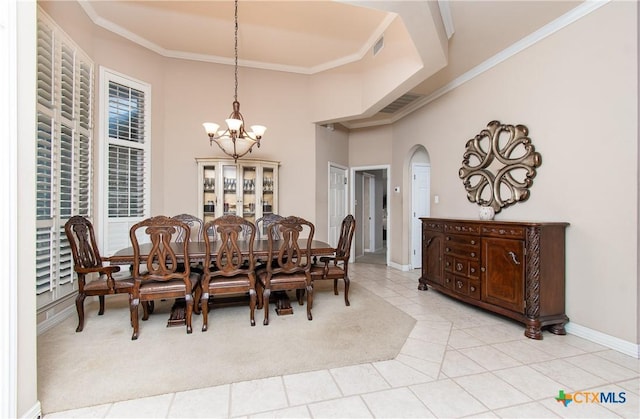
(55, 319)
(35, 412)
(404, 268)
(623, 346)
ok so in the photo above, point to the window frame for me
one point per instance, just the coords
(114, 231)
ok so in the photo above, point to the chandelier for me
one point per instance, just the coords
(235, 141)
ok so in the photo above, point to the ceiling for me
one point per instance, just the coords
(311, 37)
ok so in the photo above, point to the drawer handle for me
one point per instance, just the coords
(459, 266)
(514, 258)
(447, 249)
(459, 284)
(473, 242)
(448, 280)
(473, 254)
(473, 288)
(473, 270)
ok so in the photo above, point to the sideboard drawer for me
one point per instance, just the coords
(460, 266)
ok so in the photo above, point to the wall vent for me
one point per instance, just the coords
(400, 103)
(378, 45)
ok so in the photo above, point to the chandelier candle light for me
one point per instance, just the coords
(235, 141)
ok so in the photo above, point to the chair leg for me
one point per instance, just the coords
(265, 301)
(197, 308)
(335, 286)
(204, 310)
(252, 306)
(300, 296)
(260, 299)
(134, 319)
(309, 301)
(80, 309)
(189, 302)
(347, 281)
(101, 300)
(145, 310)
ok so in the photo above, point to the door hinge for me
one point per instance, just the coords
(345, 181)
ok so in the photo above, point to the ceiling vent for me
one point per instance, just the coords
(378, 45)
(400, 103)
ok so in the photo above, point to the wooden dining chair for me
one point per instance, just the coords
(232, 269)
(291, 263)
(337, 266)
(265, 221)
(196, 226)
(156, 274)
(94, 277)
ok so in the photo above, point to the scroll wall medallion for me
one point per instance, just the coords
(498, 166)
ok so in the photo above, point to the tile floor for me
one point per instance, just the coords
(458, 361)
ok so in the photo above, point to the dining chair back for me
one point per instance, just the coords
(195, 234)
(263, 223)
(290, 265)
(232, 270)
(94, 277)
(195, 226)
(156, 273)
(337, 266)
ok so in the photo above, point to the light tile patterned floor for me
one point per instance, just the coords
(459, 361)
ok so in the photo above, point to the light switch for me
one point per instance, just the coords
(436, 199)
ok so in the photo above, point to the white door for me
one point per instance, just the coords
(420, 207)
(337, 201)
(368, 228)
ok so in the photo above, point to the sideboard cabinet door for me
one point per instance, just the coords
(432, 255)
(503, 273)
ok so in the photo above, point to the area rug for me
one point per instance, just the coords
(102, 364)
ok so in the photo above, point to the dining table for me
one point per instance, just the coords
(197, 254)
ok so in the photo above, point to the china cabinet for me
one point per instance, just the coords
(248, 188)
(516, 269)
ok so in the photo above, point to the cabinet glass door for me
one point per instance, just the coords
(249, 178)
(268, 186)
(209, 197)
(229, 188)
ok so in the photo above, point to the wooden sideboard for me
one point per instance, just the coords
(516, 269)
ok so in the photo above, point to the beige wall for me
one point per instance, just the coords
(332, 146)
(577, 92)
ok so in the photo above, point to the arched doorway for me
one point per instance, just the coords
(420, 181)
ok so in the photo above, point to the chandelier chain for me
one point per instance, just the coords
(235, 96)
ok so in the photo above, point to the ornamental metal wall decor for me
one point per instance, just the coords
(498, 166)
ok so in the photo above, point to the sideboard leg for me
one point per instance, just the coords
(533, 330)
(422, 285)
(558, 329)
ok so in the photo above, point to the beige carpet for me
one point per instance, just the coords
(102, 364)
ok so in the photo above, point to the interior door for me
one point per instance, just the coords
(420, 207)
(367, 213)
(337, 201)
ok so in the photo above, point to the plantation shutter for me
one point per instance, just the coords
(63, 155)
(127, 162)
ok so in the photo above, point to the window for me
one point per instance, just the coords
(125, 107)
(63, 155)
